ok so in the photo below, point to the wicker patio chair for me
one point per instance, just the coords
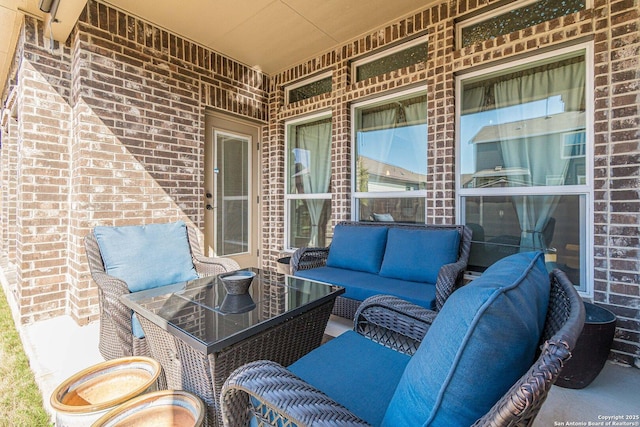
(275, 396)
(116, 337)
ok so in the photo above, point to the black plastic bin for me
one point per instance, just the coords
(592, 348)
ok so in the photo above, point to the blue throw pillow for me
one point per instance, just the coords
(357, 247)
(483, 340)
(147, 256)
(418, 255)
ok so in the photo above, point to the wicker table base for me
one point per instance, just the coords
(188, 369)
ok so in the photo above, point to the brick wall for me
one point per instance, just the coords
(37, 164)
(614, 28)
(110, 131)
(130, 99)
(9, 158)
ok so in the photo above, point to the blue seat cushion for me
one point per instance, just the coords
(147, 256)
(355, 372)
(418, 255)
(357, 248)
(483, 340)
(360, 285)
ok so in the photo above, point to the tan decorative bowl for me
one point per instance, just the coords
(175, 408)
(92, 392)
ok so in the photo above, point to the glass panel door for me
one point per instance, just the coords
(232, 197)
(232, 188)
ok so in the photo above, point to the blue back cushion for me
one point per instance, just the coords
(417, 255)
(146, 256)
(357, 247)
(483, 340)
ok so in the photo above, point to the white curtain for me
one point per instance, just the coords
(416, 115)
(313, 150)
(537, 151)
(473, 100)
(375, 137)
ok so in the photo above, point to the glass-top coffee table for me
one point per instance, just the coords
(200, 334)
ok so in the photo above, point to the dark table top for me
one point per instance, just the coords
(201, 313)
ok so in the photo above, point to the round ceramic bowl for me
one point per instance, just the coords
(175, 408)
(237, 282)
(86, 396)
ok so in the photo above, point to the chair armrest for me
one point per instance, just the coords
(393, 322)
(207, 266)
(306, 258)
(111, 289)
(280, 395)
(210, 266)
(449, 279)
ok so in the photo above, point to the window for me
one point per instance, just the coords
(407, 54)
(390, 161)
(510, 18)
(309, 88)
(233, 187)
(308, 195)
(523, 144)
(573, 144)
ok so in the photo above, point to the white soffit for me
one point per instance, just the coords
(271, 34)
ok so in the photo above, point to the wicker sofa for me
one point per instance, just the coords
(420, 263)
(488, 358)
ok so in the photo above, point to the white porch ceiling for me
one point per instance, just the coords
(270, 34)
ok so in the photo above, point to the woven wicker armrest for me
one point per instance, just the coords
(210, 266)
(306, 258)
(282, 397)
(450, 275)
(449, 279)
(111, 289)
(207, 266)
(393, 322)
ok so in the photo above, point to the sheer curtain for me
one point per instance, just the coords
(375, 137)
(314, 152)
(416, 115)
(473, 100)
(538, 150)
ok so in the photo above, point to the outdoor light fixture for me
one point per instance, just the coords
(49, 6)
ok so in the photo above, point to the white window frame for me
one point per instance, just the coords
(287, 196)
(585, 189)
(385, 52)
(517, 4)
(378, 195)
(305, 82)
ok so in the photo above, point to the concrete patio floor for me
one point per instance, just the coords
(58, 348)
